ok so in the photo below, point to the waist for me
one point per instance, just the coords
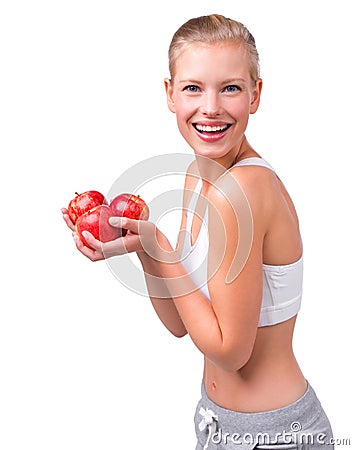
(303, 402)
(257, 388)
(300, 423)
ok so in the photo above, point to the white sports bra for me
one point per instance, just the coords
(282, 285)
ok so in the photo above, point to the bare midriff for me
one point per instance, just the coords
(271, 378)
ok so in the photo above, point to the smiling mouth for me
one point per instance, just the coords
(211, 128)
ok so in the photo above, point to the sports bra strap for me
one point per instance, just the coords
(254, 161)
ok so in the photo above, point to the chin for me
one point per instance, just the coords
(211, 153)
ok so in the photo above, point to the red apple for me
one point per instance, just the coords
(131, 206)
(96, 222)
(83, 203)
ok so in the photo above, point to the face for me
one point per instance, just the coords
(212, 95)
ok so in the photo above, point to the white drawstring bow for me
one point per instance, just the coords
(209, 420)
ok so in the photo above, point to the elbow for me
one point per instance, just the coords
(233, 360)
(229, 366)
(236, 354)
(178, 332)
(233, 365)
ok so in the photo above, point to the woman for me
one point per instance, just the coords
(234, 282)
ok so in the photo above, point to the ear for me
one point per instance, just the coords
(169, 94)
(256, 96)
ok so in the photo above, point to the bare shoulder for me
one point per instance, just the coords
(257, 182)
(274, 215)
(253, 187)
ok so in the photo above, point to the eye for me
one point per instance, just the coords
(232, 88)
(192, 88)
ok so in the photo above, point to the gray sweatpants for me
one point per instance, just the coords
(300, 425)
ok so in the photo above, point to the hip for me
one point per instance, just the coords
(301, 424)
(259, 386)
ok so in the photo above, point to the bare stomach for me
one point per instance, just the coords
(271, 379)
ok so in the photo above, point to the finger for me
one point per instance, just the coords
(67, 219)
(122, 245)
(81, 246)
(124, 222)
(117, 221)
(90, 253)
(94, 243)
(113, 248)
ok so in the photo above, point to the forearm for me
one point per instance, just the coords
(181, 306)
(195, 310)
(160, 296)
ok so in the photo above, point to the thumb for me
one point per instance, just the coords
(126, 223)
(117, 221)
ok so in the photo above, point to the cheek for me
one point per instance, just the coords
(183, 105)
(240, 110)
(182, 126)
(183, 117)
(184, 110)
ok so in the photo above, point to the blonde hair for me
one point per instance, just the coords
(211, 29)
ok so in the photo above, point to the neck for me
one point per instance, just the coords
(211, 169)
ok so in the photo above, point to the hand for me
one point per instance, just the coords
(103, 250)
(67, 219)
(142, 236)
(94, 255)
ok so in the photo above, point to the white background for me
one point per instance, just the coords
(85, 364)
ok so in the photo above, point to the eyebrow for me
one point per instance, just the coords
(233, 80)
(189, 81)
(230, 80)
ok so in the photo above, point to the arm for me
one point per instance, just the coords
(223, 329)
(163, 304)
(160, 295)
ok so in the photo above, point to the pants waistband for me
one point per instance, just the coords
(298, 414)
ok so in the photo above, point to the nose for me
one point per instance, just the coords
(211, 105)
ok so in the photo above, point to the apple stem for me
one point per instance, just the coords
(76, 193)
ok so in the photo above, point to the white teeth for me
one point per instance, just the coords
(208, 128)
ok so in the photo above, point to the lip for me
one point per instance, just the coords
(211, 136)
